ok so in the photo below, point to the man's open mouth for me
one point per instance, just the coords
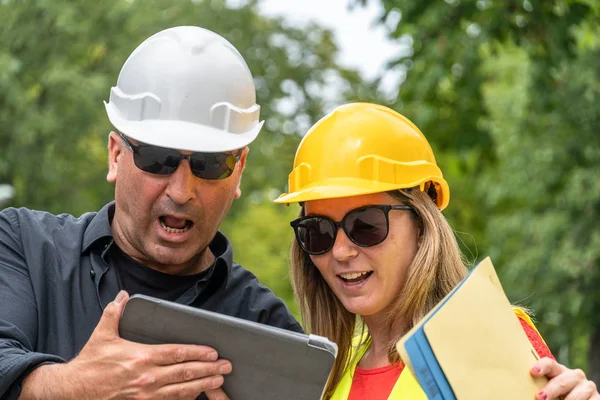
(175, 225)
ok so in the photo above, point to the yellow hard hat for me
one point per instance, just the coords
(363, 148)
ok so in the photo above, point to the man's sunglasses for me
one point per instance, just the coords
(164, 161)
(366, 226)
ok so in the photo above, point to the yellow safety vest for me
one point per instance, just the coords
(407, 386)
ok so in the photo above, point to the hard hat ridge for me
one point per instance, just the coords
(186, 88)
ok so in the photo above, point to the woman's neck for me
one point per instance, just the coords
(381, 336)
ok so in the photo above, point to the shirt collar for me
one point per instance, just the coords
(99, 227)
(223, 252)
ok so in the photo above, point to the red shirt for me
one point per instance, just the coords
(377, 384)
(374, 384)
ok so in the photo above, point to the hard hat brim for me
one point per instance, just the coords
(182, 135)
(328, 191)
(324, 191)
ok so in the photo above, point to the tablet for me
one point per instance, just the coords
(268, 362)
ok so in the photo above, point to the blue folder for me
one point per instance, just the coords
(428, 371)
(472, 352)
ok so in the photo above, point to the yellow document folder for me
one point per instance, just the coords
(471, 346)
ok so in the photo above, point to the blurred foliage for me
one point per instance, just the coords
(262, 235)
(59, 58)
(508, 92)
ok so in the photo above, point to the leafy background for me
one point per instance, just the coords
(508, 92)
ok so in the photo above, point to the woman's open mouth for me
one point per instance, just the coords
(353, 278)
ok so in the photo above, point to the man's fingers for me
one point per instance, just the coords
(191, 389)
(168, 354)
(108, 326)
(190, 371)
(217, 394)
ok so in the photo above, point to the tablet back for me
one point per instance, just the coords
(268, 362)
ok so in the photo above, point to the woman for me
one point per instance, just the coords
(368, 170)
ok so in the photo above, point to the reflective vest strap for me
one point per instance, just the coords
(521, 314)
(407, 386)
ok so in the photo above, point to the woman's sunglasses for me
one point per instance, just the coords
(163, 161)
(366, 226)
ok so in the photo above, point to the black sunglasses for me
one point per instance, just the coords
(164, 161)
(366, 226)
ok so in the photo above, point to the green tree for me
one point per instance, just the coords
(58, 60)
(544, 217)
(508, 92)
(262, 239)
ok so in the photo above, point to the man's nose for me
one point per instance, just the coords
(182, 182)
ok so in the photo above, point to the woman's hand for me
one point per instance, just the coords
(564, 383)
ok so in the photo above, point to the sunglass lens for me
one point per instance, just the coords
(367, 226)
(157, 160)
(213, 165)
(316, 235)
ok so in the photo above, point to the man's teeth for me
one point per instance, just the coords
(173, 230)
(353, 275)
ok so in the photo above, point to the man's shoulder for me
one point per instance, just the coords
(245, 286)
(39, 220)
(241, 278)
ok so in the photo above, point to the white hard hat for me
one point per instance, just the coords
(186, 88)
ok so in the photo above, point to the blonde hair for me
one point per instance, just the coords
(437, 267)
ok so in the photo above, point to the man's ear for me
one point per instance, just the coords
(241, 165)
(115, 149)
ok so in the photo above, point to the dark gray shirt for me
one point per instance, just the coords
(55, 280)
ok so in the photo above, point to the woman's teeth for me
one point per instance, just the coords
(355, 277)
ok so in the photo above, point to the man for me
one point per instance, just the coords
(184, 112)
